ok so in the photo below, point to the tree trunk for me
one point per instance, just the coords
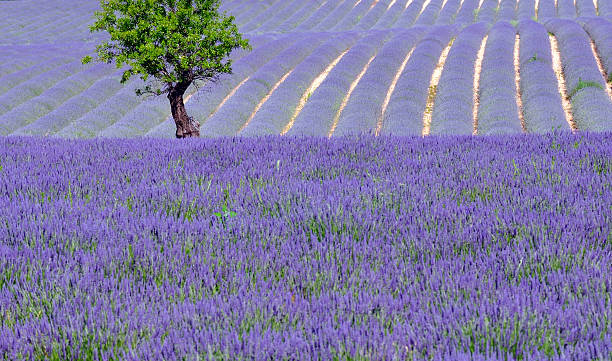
(186, 127)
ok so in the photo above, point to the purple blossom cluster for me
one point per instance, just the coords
(454, 102)
(497, 110)
(542, 107)
(591, 105)
(286, 248)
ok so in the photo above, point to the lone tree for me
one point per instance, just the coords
(177, 42)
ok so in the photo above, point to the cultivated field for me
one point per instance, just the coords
(330, 68)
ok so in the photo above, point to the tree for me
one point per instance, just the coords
(177, 42)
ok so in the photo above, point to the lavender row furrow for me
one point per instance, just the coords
(204, 102)
(600, 31)
(585, 8)
(276, 113)
(36, 71)
(235, 113)
(73, 108)
(106, 114)
(467, 13)
(365, 104)
(332, 18)
(454, 102)
(352, 18)
(265, 16)
(391, 15)
(525, 9)
(430, 13)
(591, 106)
(139, 120)
(321, 108)
(301, 16)
(318, 16)
(448, 12)
(497, 110)
(251, 10)
(409, 15)
(404, 115)
(33, 87)
(566, 9)
(507, 10)
(604, 9)
(69, 82)
(487, 11)
(295, 7)
(546, 9)
(373, 16)
(542, 107)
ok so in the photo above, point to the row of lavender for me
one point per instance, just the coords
(306, 248)
(30, 21)
(52, 93)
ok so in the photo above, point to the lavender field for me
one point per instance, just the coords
(381, 180)
(335, 67)
(306, 248)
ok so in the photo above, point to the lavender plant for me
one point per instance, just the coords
(364, 107)
(585, 8)
(566, 9)
(453, 108)
(391, 15)
(373, 15)
(591, 105)
(404, 115)
(306, 248)
(488, 11)
(430, 13)
(466, 12)
(507, 10)
(407, 18)
(498, 112)
(277, 112)
(317, 116)
(448, 12)
(542, 108)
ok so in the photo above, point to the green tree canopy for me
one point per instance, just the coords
(177, 42)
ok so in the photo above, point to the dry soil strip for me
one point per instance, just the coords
(601, 69)
(265, 99)
(477, 70)
(557, 67)
(347, 96)
(433, 84)
(399, 72)
(517, 81)
(537, 8)
(423, 7)
(596, 4)
(315, 84)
